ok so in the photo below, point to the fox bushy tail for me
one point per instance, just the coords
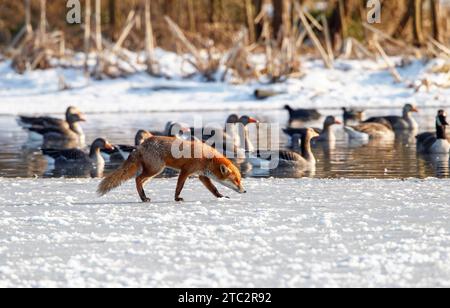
(125, 172)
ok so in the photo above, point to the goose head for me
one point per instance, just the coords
(311, 134)
(330, 121)
(232, 119)
(408, 109)
(101, 144)
(246, 120)
(74, 115)
(141, 136)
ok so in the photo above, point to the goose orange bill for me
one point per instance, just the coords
(109, 146)
(414, 109)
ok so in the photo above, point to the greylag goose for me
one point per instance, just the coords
(367, 131)
(302, 114)
(325, 134)
(75, 159)
(403, 123)
(230, 137)
(172, 129)
(352, 115)
(121, 151)
(55, 129)
(286, 158)
(435, 143)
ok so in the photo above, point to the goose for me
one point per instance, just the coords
(230, 137)
(75, 158)
(121, 151)
(367, 131)
(286, 158)
(325, 134)
(352, 115)
(172, 129)
(435, 143)
(403, 123)
(302, 114)
(48, 128)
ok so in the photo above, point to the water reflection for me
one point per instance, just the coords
(340, 159)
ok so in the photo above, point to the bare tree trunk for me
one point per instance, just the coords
(191, 12)
(277, 21)
(436, 20)
(98, 25)
(87, 33)
(286, 17)
(250, 13)
(149, 39)
(43, 21)
(29, 28)
(98, 39)
(112, 19)
(343, 19)
(405, 19)
(418, 23)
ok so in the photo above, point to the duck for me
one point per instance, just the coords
(76, 158)
(287, 158)
(368, 131)
(302, 114)
(352, 115)
(48, 128)
(403, 123)
(121, 152)
(435, 143)
(325, 134)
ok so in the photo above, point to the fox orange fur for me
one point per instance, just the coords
(155, 154)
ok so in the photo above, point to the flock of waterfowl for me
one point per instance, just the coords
(62, 141)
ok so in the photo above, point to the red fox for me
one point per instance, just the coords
(156, 154)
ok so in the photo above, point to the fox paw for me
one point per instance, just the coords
(147, 200)
(179, 199)
(223, 197)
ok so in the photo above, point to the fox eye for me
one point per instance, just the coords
(224, 169)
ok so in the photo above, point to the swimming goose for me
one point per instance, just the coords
(75, 158)
(435, 143)
(352, 115)
(302, 114)
(230, 137)
(405, 122)
(367, 131)
(121, 151)
(55, 129)
(325, 134)
(286, 158)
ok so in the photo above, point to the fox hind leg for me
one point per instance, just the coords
(146, 175)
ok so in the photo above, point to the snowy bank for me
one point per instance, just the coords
(351, 83)
(283, 233)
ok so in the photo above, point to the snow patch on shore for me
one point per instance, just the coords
(352, 83)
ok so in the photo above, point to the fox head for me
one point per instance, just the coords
(225, 173)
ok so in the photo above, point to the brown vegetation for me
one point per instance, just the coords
(226, 31)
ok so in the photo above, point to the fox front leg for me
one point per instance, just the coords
(210, 186)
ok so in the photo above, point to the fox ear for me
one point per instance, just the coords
(224, 169)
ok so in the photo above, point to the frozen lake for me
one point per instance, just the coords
(341, 160)
(304, 233)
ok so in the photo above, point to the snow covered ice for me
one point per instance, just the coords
(283, 233)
